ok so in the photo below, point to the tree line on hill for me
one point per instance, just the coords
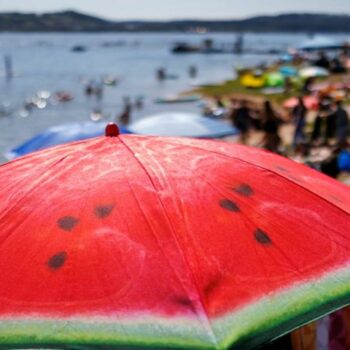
(72, 21)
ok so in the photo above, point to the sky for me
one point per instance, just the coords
(175, 9)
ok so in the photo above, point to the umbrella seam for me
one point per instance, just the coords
(298, 272)
(252, 222)
(150, 226)
(269, 170)
(214, 338)
(312, 193)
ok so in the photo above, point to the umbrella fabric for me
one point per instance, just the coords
(311, 102)
(166, 243)
(313, 72)
(57, 135)
(182, 124)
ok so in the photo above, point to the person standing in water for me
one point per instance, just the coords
(193, 72)
(124, 117)
(238, 45)
(8, 67)
(161, 74)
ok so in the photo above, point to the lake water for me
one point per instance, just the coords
(45, 62)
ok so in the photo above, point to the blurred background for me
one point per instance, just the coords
(79, 61)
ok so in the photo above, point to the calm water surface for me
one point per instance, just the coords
(45, 62)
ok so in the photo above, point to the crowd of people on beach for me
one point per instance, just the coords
(331, 121)
(322, 127)
(326, 127)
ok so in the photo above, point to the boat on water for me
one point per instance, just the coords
(63, 96)
(209, 47)
(177, 99)
(79, 48)
(183, 47)
(321, 43)
(110, 80)
(206, 47)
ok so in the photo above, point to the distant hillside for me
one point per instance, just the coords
(71, 21)
(60, 21)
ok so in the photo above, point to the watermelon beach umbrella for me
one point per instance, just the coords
(134, 241)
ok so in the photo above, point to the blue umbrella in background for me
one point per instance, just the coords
(58, 135)
(288, 71)
(182, 124)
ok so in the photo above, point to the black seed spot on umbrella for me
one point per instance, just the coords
(57, 261)
(212, 285)
(244, 190)
(262, 237)
(184, 302)
(67, 223)
(229, 205)
(103, 211)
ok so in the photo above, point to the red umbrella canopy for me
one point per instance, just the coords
(166, 242)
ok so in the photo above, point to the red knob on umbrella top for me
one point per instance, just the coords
(112, 130)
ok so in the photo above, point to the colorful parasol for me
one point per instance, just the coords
(274, 79)
(311, 102)
(182, 124)
(134, 241)
(59, 134)
(313, 72)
